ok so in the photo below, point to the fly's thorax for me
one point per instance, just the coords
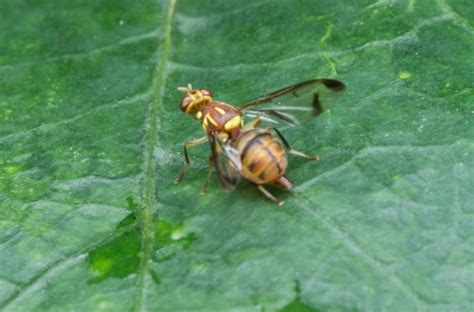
(220, 117)
(263, 157)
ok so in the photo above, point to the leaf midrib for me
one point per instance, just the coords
(145, 214)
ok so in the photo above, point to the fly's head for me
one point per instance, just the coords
(194, 99)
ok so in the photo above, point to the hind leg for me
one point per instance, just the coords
(270, 196)
(290, 150)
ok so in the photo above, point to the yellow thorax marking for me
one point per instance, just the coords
(212, 121)
(206, 120)
(198, 115)
(234, 122)
(204, 123)
(220, 110)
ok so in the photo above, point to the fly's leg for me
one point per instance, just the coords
(270, 196)
(252, 124)
(292, 151)
(203, 189)
(186, 157)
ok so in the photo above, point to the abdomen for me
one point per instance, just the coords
(263, 157)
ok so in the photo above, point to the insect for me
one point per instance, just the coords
(239, 150)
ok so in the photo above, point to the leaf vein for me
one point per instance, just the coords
(356, 249)
(40, 280)
(376, 150)
(146, 213)
(80, 55)
(456, 16)
(52, 125)
(322, 54)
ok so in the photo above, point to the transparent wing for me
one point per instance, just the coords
(295, 104)
(226, 160)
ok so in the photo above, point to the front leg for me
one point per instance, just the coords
(186, 157)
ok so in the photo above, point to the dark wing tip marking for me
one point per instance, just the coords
(334, 84)
(317, 107)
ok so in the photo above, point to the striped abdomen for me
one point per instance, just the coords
(263, 158)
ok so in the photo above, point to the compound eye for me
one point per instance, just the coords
(185, 101)
(206, 92)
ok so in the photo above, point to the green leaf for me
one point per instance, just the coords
(91, 138)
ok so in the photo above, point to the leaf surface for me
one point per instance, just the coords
(91, 138)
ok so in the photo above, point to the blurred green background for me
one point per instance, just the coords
(90, 143)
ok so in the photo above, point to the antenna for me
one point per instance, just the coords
(187, 89)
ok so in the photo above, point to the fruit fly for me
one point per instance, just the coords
(239, 150)
(263, 160)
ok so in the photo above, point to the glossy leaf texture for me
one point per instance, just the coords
(91, 141)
